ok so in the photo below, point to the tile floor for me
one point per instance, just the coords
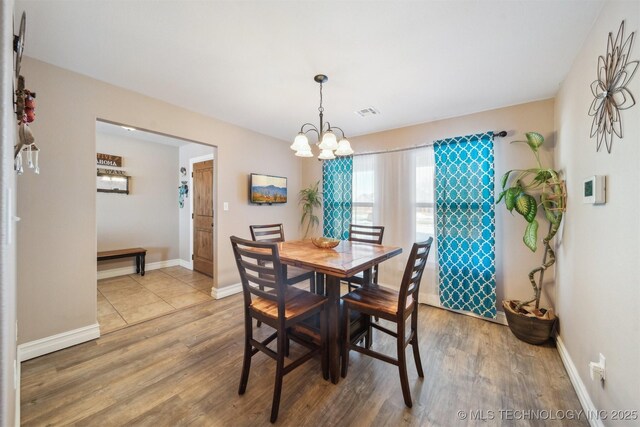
(126, 300)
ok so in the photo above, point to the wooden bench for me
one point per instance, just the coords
(139, 253)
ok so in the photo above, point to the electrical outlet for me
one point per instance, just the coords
(598, 369)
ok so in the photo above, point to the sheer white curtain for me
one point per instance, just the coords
(395, 190)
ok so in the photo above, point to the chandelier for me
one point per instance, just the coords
(327, 142)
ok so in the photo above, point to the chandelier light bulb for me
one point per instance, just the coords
(304, 153)
(300, 142)
(326, 155)
(344, 148)
(329, 141)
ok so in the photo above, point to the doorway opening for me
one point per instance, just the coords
(144, 202)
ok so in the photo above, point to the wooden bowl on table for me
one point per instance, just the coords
(325, 242)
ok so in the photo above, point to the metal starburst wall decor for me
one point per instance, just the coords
(610, 92)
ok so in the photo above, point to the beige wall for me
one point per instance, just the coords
(513, 259)
(57, 234)
(597, 268)
(7, 211)
(148, 216)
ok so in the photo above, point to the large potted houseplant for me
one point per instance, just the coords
(529, 191)
(310, 199)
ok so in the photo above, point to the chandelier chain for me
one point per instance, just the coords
(321, 108)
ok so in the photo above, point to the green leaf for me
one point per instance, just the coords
(501, 196)
(531, 235)
(542, 176)
(534, 139)
(526, 206)
(511, 196)
(505, 177)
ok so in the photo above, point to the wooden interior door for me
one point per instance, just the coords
(203, 217)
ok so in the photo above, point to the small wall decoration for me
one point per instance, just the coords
(24, 108)
(111, 172)
(110, 183)
(183, 189)
(610, 92)
(108, 160)
(183, 193)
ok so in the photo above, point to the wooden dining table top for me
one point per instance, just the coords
(345, 260)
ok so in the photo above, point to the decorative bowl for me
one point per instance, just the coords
(325, 242)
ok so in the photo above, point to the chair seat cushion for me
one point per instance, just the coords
(375, 299)
(297, 302)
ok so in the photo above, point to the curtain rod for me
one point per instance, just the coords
(500, 134)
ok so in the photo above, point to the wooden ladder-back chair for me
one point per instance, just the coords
(365, 234)
(275, 233)
(395, 307)
(268, 299)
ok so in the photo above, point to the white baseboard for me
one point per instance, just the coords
(434, 300)
(186, 264)
(219, 293)
(18, 376)
(57, 342)
(578, 385)
(123, 271)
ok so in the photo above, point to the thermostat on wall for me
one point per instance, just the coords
(593, 190)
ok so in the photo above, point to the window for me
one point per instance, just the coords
(363, 190)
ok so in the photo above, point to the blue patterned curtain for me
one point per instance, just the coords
(465, 225)
(337, 182)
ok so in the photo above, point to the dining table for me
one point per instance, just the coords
(332, 265)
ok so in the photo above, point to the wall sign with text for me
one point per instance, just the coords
(108, 160)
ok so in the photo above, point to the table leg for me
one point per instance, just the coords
(137, 264)
(142, 264)
(320, 284)
(367, 276)
(333, 297)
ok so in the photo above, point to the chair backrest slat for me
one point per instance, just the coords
(260, 270)
(366, 233)
(267, 233)
(413, 273)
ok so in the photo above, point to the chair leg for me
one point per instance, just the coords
(402, 365)
(367, 337)
(346, 339)
(414, 342)
(259, 323)
(277, 388)
(287, 346)
(324, 343)
(246, 361)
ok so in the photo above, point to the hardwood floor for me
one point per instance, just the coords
(184, 368)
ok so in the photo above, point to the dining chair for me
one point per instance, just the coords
(364, 234)
(268, 299)
(275, 233)
(395, 307)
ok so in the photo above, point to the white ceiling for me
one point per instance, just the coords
(125, 132)
(252, 63)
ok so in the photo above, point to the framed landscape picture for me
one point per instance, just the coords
(267, 189)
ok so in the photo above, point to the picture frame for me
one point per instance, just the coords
(111, 183)
(267, 189)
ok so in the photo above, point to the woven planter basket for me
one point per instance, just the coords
(532, 330)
